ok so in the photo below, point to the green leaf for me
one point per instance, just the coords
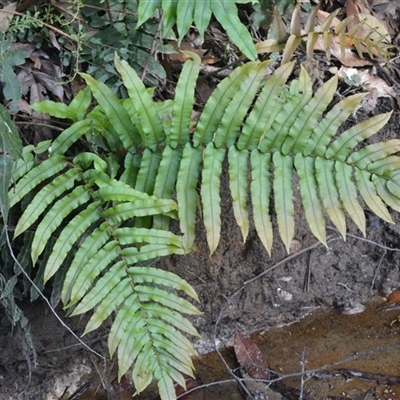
(309, 194)
(169, 9)
(139, 208)
(10, 142)
(385, 194)
(72, 134)
(283, 196)
(143, 371)
(87, 250)
(238, 161)
(202, 15)
(54, 217)
(167, 299)
(6, 166)
(80, 103)
(163, 278)
(184, 99)
(184, 17)
(91, 270)
(146, 10)
(260, 193)
(226, 13)
(210, 196)
(150, 125)
(46, 196)
(385, 166)
(127, 236)
(327, 128)
(349, 139)
(374, 152)
(325, 174)
(259, 119)
(149, 252)
(115, 112)
(368, 193)
(306, 121)
(298, 97)
(348, 194)
(34, 177)
(55, 109)
(11, 86)
(165, 181)
(186, 193)
(69, 235)
(109, 304)
(149, 167)
(125, 315)
(105, 285)
(217, 103)
(172, 317)
(231, 121)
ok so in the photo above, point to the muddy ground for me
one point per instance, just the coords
(346, 277)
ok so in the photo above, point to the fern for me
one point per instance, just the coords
(110, 208)
(183, 12)
(370, 40)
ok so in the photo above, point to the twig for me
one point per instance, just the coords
(377, 269)
(235, 378)
(153, 46)
(282, 262)
(303, 363)
(366, 240)
(307, 279)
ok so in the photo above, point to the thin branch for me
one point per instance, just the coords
(5, 231)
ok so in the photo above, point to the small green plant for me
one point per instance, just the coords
(109, 208)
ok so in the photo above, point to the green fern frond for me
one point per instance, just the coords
(183, 13)
(109, 210)
(105, 271)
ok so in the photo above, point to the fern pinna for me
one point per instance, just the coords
(110, 207)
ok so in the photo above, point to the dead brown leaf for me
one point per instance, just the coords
(249, 356)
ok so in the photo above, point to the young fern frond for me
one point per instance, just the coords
(110, 209)
(367, 37)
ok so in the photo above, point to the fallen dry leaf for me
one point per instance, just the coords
(394, 297)
(249, 356)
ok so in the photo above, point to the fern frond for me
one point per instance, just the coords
(115, 112)
(305, 167)
(216, 105)
(150, 126)
(231, 121)
(283, 196)
(333, 37)
(109, 212)
(260, 196)
(210, 196)
(184, 100)
(348, 194)
(238, 166)
(186, 194)
(34, 177)
(183, 12)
